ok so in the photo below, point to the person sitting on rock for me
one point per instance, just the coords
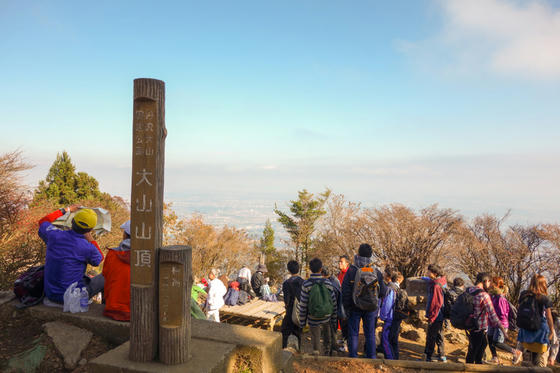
(116, 271)
(69, 253)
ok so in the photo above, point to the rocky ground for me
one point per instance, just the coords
(28, 345)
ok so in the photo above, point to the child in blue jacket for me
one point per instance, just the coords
(386, 314)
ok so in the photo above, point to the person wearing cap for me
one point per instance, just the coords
(116, 271)
(257, 280)
(215, 300)
(69, 253)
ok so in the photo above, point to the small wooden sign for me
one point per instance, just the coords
(175, 281)
(171, 294)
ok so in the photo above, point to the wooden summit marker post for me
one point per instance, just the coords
(146, 215)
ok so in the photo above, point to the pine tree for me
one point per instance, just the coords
(63, 186)
(305, 211)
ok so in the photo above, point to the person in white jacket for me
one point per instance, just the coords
(215, 300)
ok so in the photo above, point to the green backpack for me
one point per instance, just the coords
(320, 305)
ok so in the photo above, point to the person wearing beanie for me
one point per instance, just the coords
(116, 271)
(257, 280)
(69, 253)
(364, 262)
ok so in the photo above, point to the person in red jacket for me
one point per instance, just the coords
(116, 271)
(69, 252)
(434, 312)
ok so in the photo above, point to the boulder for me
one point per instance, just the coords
(69, 340)
(416, 286)
(411, 334)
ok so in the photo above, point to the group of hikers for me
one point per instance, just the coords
(360, 293)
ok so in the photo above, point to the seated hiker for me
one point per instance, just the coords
(257, 280)
(69, 253)
(116, 271)
(232, 296)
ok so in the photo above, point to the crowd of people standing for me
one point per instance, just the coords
(363, 293)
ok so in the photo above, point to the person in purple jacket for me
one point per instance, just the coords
(386, 314)
(496, 337)
(69, 252)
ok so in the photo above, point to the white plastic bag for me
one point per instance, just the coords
(72, 298)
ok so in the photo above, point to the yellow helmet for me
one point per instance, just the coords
(86, 219)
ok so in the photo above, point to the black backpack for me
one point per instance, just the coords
(365, 292)
(244, 284)
(29, 287)
(462, 312)
(449, 299)
(528, 316)
(512, 317)
(402, 308)
(243, 297)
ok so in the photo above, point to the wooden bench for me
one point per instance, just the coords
(257, 313)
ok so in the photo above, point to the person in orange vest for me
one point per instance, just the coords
(116, 271)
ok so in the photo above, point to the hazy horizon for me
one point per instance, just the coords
(423, 102)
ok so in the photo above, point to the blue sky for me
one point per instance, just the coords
(416, 102)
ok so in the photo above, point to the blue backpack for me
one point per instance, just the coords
(231, 297)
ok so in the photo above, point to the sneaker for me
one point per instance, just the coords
(316, 353)
(517, 357)
(495, 360)
(443, 359)
(343, 347)
(293, 342)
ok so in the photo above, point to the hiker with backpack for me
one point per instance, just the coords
(292, 295)
(534, 319)
(482, 315)
(435, 307)
(394, 309)
(69, 253)
(496, 338)
(317, 308)
(361, 289)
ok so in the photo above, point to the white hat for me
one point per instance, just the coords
(126, 227)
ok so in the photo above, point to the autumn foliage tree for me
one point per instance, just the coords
(20, 245)
(224, 248)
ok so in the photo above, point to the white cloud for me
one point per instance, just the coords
(519, 38)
